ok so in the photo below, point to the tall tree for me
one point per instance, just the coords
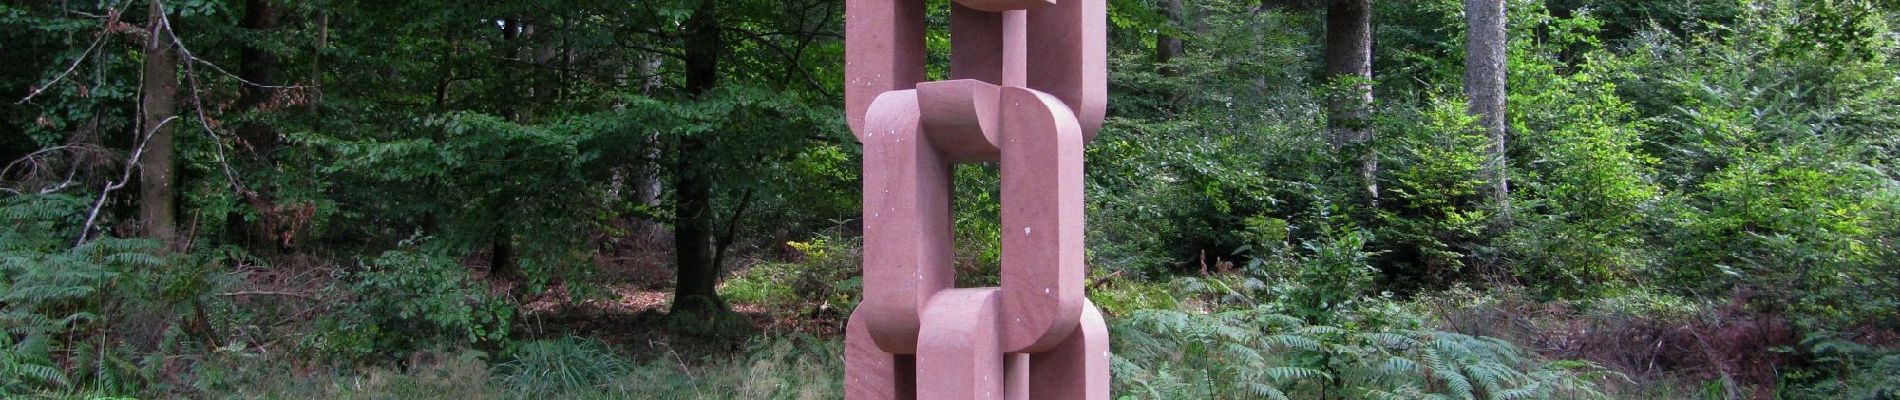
(1168, 46)
(158, 107)
(697, 271)
(647, 178)
(503, 264)
(1485, 57)
(259, 70)
(1348, 53)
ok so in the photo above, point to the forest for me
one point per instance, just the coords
(1289, 199)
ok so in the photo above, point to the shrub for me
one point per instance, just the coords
(1580, 179)
(826, 278)
(1432, 211)
(407, 300)
(1784, 174)
(1335, 274)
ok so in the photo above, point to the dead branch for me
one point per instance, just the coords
(268, 293)
(131, 163)
(198, 106)
(1105, 279)
(98, 38)
(191, 58)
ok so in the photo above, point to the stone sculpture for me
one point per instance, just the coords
(916, 335)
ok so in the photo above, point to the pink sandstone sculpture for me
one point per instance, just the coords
(916, 335)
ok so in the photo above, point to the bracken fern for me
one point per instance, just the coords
(1260, 354)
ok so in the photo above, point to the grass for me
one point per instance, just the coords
(799, 367)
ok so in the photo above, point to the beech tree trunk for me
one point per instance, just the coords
(316, 71)
(647, 178)
(259, 140)
(1485, 70)
(503, 264)
(1348, 53)
(159, 104)
(1168, 47)
(261, 67)
(697, 273)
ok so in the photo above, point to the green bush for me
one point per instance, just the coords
(1433, 204)
(1334, 274)
(1782, 172)
(827, 276)
(407, 301)
(1581, 181)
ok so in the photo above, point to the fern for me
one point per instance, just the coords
(53, 290)
(1261, 354)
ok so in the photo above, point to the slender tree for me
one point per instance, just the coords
(697, 271)
(502, 261)
(259, 69)
(648, 182)
(259, 66)
(158, 106)
(1348, 53)
(1485, 87)
(1167, 46)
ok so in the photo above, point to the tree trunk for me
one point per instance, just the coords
(1348, 52)
(1485, 69)
(157, 163)
(647, 179)
(546, 77)
(698, 276)
(258, 66)
(1168, 47)
(502, 261)
(316, 71)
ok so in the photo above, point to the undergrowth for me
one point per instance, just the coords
(1257, 353)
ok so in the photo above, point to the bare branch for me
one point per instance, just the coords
(198, 106)
(192, 58)
(269, 293)
(131, 163)
(98, 38)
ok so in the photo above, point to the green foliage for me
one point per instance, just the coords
(410, 300)
(794, 367)
(1259, 354)
(550, 367)
(59, 299)
(479, 179)
(1845, 369)
(1787, 171)
(1195, 147)
(1624, 19)
(826, 277)
(1334, 274)
(1433, 202)
(1580, 179)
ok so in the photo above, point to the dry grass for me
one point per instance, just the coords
(1668, 347)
